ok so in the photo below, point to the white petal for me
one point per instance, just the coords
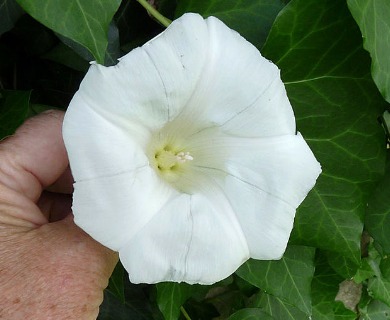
(265, 185)
(285, 167)
(96, 147)
(239, 89)
(180, 54)
(130, 90)
(151, 84)
(114, 208)
(192, 239)
(266, 220)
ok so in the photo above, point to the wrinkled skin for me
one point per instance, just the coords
(49, 268)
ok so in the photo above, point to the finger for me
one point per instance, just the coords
(55, 206)
(35, 156)
(64, 183)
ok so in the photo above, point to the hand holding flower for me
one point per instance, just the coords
(49, 268)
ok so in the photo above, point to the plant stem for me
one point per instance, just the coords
(154, 13)
(185, 314)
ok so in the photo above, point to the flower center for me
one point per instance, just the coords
(166, 159)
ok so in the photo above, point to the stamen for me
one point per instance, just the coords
(183, 157)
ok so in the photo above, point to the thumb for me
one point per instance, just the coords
(66, 268)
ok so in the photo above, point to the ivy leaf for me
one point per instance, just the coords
(250, 314)
(288, 278)
(325, 287)
(251, 18)
(277, 308)
(373, 18)
(342, 265)
(64, 55)
(328, 81)
(10, 12)
(364, 272)
(113, 309)
(379, 285)
(84, 22)
(379, 289)
(171, 296)
(14, 109)
(378, 212)
(376, 310)
(116, 284)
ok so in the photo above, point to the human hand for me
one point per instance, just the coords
(49, 268)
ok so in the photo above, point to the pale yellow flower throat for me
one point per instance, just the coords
(167, 159)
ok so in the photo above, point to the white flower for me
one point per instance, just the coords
(186, 157)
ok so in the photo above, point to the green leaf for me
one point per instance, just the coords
(113, 309)
(85, 22)
(14, 109)
(379, 289)
(379, 285)
(373, 18)
(116, 284)
(113, 52)
(325, 287)
(378, 212)
(288, 278)
(327, 77)
(278, 309)
(10, 12)
(342, 313)
(385, 267)
(63, 54)
(171, 296)
(250, 314)
(376, 310)
(251, 18)
(342, 265)
(364, 272)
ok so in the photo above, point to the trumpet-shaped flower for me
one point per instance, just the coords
(185, 155)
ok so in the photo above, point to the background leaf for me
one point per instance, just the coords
(116, 284)
(317, 45)
(378, 212)
(373, 18)
(342, 265)
(324, 289)
(250, 314)
(288, 278)
(277, 308)
(171, 296)
(139, 304)
(251, 18)
(10, 12)
(65, 55)
(376, 310)
(85, 22)
(14, 109)
(378, 285)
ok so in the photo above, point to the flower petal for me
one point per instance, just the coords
(179, 55)
(239, 89)
(114, 208)
(284, 167)
(96, 147)
(193, 239)
(273, 177)
(151, 84)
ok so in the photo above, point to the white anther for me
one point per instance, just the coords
(183, 157)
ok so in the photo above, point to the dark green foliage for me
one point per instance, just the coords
(328, 74)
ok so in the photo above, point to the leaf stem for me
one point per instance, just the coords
(154, 13)
(185, 314)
